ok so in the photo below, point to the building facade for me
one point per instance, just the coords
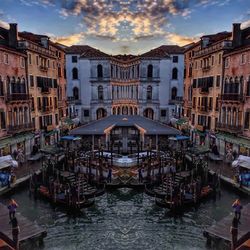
(15, 101)
(47, 85)
(233, 126)
(100, 85)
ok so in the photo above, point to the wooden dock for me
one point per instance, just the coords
(30, 232)
(219, 234)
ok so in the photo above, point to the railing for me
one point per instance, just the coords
(206, 68)
(126, 101)
(43, 68)
(229, 128)
(18, 97)
(204, 90)
(231, 97)
(47, 109)
(23, 127)
(45, 90)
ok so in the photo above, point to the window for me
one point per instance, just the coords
(150, 71)
(100, 92)
(219, 60)
(30, 58)
(193, 119)
(175, 59)
(6, 58)
(76, 93)
(173, 93)
(243, 58)
(248, 87)
(217, 81)
(86, 113)
(227, 62)
(22, 62)
(48, 63)
(56, 118)
(212, 60)
(74, 59)
(75, 73)
(149, 93)
(55, 103)
(163, 113)
(2, 120)
(37, 60)
(32, 104)
(1, 87)
(174, 73)
(247, 118)
(99, 71)
(31, 81)
(217, 104)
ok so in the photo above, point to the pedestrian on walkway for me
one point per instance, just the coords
(12, 208)
(237, 209)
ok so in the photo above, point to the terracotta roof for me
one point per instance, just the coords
(85, 51)
(32, 37)
(213, 38)
(164, 51)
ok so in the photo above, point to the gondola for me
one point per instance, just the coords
(172, 205)
(43, 192)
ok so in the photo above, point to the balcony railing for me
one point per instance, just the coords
(43, 68)
(206, 68)
(203, 108)
(229, 128)
(20, 127)
(232, 97)
(204, 90)
(45, 90)
(47, 109)
(18, 97)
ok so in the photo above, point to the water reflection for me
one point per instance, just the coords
(124, 219)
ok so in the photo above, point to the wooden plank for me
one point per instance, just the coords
(222, 228)
(28, 229)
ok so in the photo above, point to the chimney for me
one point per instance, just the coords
(13, 35)
(236, 34)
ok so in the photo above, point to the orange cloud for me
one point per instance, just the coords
(69, 40)
(180, 40)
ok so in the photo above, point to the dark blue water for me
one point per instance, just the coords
(124, 219)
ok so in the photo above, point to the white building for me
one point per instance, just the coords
(150, 84)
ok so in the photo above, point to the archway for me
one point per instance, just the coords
(100, 113)
(149, 113)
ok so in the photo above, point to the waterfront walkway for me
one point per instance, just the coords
(226, 174)
(221, 230)
(29, 231)
(23, 174)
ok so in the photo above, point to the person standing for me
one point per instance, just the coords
(234, 232)
(109, 179)
(237, 209)
(12, 208)
(15, 232)
(140, 175)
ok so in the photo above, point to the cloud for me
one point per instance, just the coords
(125, 19)
(175, 38)
(68, 40)
(4, 24)
(245, 24)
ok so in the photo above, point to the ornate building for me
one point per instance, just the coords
(15, 101)
(150, 85)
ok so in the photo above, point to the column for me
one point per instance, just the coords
(226, 116)
(237, 117)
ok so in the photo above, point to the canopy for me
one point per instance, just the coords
(70, 138)
(179, 138)
(242, 161)
(7, 161)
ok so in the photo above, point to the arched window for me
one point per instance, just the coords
(13, 85)
(149, 93)
(175, 73)
(100, 113)
(76, 93)
(173, 93)
(23, 87)
(8, 85)
(150, 70)
(75, 73)
(149, 113)
(100, 92)
(1, 87)
(99, 71)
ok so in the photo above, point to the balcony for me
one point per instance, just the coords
(229, 128)
(43, 68)
(203, 108)
(18, 97)
(206, 68)
(204, 90)
(232, 97)
(45, 90)
(47, 109)
(20, 128)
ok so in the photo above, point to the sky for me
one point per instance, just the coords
(125, 26)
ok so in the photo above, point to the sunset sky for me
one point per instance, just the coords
(125, 26)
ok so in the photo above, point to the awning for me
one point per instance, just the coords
(15, 139)
(70, 138)
(234, 139)
(52, 132)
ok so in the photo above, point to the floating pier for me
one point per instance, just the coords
(219, 234)
(30, 232)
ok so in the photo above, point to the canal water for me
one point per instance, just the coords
(124, 219)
